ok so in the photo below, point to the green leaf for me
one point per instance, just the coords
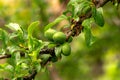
(35, 49)
(14, 27)
(24, 66)
(87, 23)
(2, 51)
(17, 56)
(58, 51)
(35, 44)
(20, 71)
(86, 9)
(17, 39)
(98, 17)
(31, 27)
(89, 38)
(7, 67)
(13, 49)
(37, 66)
(30, 43)
(81, 7)
(60, 18)
(4, 38)
(73, 1)
(34, 55)
(76, 8)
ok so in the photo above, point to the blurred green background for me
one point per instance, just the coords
(101, 61)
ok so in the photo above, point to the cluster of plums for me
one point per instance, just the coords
(59, 38)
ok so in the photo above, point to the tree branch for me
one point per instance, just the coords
(74, 32)
(43, 51)
(5, 56)
(78, 24)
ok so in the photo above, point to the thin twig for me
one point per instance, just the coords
(5, 56)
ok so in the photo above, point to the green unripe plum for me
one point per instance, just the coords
(66, 49)
(49, 34)
(59, 37)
